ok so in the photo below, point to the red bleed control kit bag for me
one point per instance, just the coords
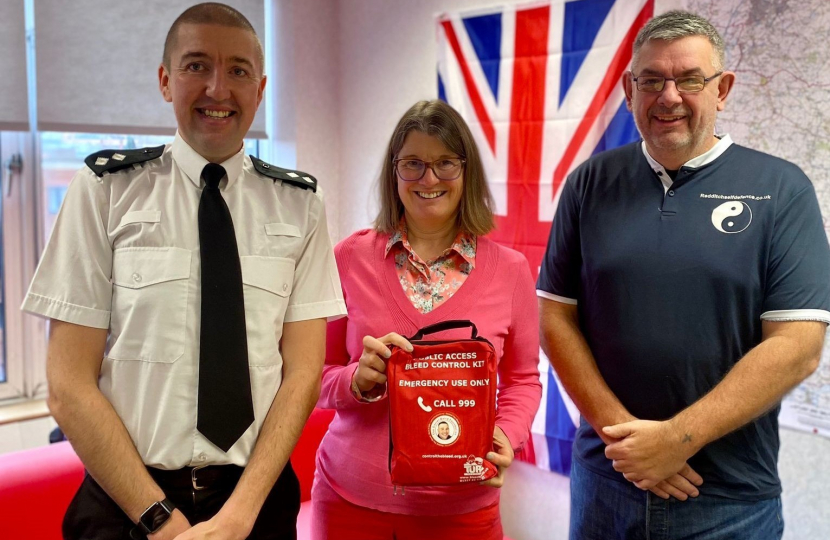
(442, 409)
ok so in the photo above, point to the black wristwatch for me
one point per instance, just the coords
(152, 518)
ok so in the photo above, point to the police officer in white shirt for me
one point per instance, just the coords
(122, 279)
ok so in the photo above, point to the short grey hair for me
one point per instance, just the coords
(678, 24)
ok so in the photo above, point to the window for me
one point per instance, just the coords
(18, 255)
(2, 303)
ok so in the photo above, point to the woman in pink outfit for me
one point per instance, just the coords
(426, 260)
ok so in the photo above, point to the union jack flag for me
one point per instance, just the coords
(539, 86)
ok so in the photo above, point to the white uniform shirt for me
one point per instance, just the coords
(124, 255)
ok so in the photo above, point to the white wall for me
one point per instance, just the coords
(359, 65)
(316, 83)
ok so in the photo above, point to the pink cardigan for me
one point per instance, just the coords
(499, 297)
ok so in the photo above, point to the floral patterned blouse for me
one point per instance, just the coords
(428, 284)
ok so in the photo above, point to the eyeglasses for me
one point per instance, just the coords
(689, 84)
(412, 170)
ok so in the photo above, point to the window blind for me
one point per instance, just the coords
(97, 64)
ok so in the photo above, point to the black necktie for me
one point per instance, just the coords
(225, 409)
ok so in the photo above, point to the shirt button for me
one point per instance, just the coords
(659, 173)
(285, 286)
(202, 457)
(136, 277)
(671, 193)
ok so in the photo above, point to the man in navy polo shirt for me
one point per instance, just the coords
(685, 290)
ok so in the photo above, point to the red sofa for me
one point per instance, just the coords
(36, 485)
(35, 488)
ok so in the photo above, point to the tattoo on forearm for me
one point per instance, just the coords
(687, 438)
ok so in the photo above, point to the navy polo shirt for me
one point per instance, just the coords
(672, 285)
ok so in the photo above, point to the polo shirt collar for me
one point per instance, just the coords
(711, 155)
(191, 163)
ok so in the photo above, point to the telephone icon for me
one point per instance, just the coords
(427, 408)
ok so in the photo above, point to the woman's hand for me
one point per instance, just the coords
(371, 369)
(502, 457)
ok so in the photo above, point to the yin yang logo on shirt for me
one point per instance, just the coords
(732, 217)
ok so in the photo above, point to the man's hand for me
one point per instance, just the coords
(681, 486)
(648, 452)
(172, 528)
(371, 369)
(501, 458)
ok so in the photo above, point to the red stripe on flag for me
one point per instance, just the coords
(612, 78)
(521, 228)
(475, 98)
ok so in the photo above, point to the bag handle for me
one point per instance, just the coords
(445, 325)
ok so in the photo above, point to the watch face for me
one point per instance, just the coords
(155, 516)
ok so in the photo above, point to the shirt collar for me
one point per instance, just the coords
(191, 163)
(462, 240)
(705, 158)
(399, 236)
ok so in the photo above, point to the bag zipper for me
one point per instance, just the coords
(441, 342)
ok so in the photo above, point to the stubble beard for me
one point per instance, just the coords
(687, 142)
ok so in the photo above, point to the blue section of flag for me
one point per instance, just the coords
(442, 93)
(622, 130)
(559, 430)
(485, 35)
(583, 20)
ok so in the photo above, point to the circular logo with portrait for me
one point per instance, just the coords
(444, 429)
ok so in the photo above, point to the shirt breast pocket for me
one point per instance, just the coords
(267, 284)
(139, 228)
(149, 304)
(282, 229)
(140, 216)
